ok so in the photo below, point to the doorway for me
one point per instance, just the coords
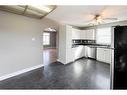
(49, 46)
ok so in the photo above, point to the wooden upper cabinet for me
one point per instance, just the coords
(104, 35)
(88, 34)
(91, 34)
(83, 34)
(75, 33)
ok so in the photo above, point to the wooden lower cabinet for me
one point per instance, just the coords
(104, 55)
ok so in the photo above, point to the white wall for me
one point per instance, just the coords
(65, 44)
(17, 50)
(62, 44)
(69, 55)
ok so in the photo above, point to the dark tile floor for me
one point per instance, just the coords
(82, 74)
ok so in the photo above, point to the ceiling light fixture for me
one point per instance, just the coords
(34, 11)
(43, 8)
(50, 30)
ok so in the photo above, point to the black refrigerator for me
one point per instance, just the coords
(120, 58)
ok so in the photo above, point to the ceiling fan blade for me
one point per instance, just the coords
(90, 24)
(103, 10)
(110, 18)
(103, 22)
(99, 12)
(88, 21)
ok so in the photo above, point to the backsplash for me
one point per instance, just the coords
(83, 41)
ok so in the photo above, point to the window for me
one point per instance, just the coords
(103, 36)
(46, 38)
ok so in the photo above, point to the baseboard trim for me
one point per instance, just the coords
(60, 61)
(19, 72)
(79, 59)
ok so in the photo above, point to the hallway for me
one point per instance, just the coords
(49, 56)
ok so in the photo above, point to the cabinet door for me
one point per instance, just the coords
(107, 55)
(90, 34)
(83, 34)
(100, 54)
(73, 53)
(86, 51)
(78, 52)
(104, 55)
(75, 34)
(83, 51)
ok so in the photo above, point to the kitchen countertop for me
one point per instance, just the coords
(107, 47)
(93, 46)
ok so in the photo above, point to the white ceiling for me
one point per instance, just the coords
(80, 15)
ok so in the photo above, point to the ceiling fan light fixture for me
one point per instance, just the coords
(98, 19)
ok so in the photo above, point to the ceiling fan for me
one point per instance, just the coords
(98, 19)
